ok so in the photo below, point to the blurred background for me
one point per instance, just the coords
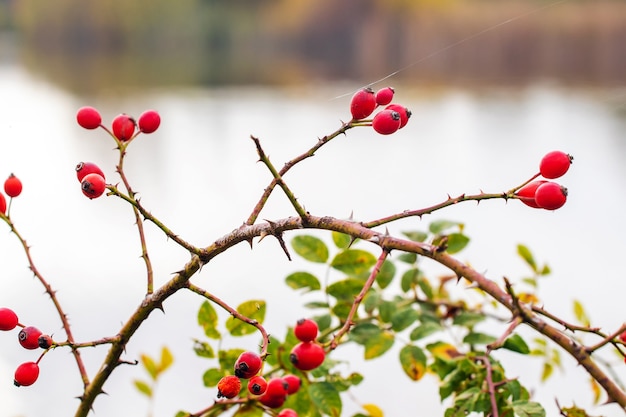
(493, 86)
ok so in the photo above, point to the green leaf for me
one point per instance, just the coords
(149, 365)
(416, 236)
(402, 319)
(346, 289)
(527, 256)
(143, 388)
(478, 339)
(523, 408)
(203, 349)
(386, 310)
(342, 309)
(425, 329)
(207, 319)
(353, 261)
(413, 361)
(167, 359)
(425, 286)
(439, 226)
(252, 309)
(581, 314)
(341, 240)
(363, 332)
(378, 345)
(371, 301)
(468, 319)
(409, 279)
(227, 358)
(323, 322)
(515, 343)
(457, 242)
(409, 258)
(316, 304)
(386, 274)
(212, 376)
(310, 248)
(303, 280)
(326, 397)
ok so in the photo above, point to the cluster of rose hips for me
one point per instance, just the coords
(30, 338)
(386, 121)
(546, 194)
(13, 188)
(124, 128)
(305, 356)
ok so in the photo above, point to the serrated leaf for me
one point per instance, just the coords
(373, 410)
(252, 309)
(523, 408)
(413, 361)
(378, 345)
(212, 376)
(143, 388)
(402, 319)
(341, 240)
(456, 242)
(353, 261)
(515, 343)
(208, 320)
(303, 280)
(425, 329)
(345, 289)
(149, 365)
(527, 256)
(362, 332)
(439, 226)
(580, 313)
(203, 349)
(386, 274)
(167, 359)
(326, 397)
(416, 236)
(310, 248)
(479, 339)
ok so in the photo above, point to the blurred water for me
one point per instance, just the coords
(199, 175)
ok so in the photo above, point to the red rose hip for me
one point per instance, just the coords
(257, 385)
(8, 319)
(228, 387)
(149, 121)
(29, 337)
(555, 164)
(306, 356)
(363, 103)
(26, 374)
(123, 127)
(93, 185)
(550, 196)
(13, 186)
(88, 117)
(84, 168)
(405, 114)
(386, 122)
(287, 412)
(526, 194)
(293, 383)
(306, 330)
(3, 204)
(384, 96)
(247, 365)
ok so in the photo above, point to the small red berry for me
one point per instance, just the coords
(123, 127)
(228, 387)
(84, 168)
(149, 121)
(26, 374)
(275, 394)
(384, 96)
(3, 204)
(287, 412)
(363, 103)
(8, 319)
(29, 337)
(526, 194)
(306, 330)
(45, 341)
(93, 185)
(555, 164)
(550, 195)
(257, 385)
(272, 402)
(88, 117)
(13, 186)
(247, 365)
(386, 122)
(306, 356)
(404, 113)
(294, 383)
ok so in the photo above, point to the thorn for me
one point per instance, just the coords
(250, 241)
(262, 236)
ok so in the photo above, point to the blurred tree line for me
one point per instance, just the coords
(93, 44)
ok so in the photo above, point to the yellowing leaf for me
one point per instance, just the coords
(373, 410)
(443, 350)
